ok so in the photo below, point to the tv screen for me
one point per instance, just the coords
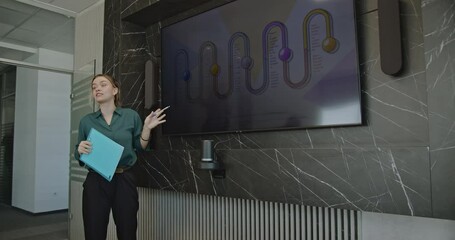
(261, 65)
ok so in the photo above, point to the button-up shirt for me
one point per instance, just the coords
(125, 129)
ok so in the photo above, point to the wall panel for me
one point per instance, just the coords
(381, 166)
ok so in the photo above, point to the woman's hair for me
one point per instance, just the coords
(115, 84)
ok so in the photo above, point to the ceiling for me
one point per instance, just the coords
(27, 25)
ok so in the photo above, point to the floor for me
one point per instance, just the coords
(20, 225)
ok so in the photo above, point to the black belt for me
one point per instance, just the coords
(122, 169)
(117, 170)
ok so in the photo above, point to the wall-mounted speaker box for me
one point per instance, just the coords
(390, 36)
(151, 76)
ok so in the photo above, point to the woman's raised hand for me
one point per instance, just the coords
(155, 118)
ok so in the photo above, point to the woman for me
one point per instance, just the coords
(124, 126)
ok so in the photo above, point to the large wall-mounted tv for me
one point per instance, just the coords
(253, 65)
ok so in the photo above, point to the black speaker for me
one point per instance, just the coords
(151, 85)
(390, 36)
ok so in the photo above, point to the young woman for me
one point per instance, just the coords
(124, 126)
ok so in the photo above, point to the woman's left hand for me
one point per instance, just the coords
(154, 119)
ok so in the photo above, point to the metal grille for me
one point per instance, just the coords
(165, 215)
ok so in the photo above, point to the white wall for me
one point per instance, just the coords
(23, 189)
(88, 43)
(41, 137)
(377, 226)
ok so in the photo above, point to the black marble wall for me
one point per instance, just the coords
(397, 162)
(438, 28)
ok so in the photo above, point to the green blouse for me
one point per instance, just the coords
(125, 129)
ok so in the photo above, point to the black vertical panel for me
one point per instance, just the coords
(112, 38)
(390, 36)
(151, 85)
(6, 162)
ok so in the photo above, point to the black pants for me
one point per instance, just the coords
(100, 196)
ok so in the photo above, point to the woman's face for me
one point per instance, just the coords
(103, 90)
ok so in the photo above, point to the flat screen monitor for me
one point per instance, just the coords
(256, 65)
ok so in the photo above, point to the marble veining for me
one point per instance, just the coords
(398, 161)
(309, 176)
(439, 29)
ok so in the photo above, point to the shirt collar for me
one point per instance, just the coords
(117, 111)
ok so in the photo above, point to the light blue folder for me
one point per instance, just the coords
(104, 156)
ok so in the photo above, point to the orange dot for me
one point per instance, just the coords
(330, 44)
